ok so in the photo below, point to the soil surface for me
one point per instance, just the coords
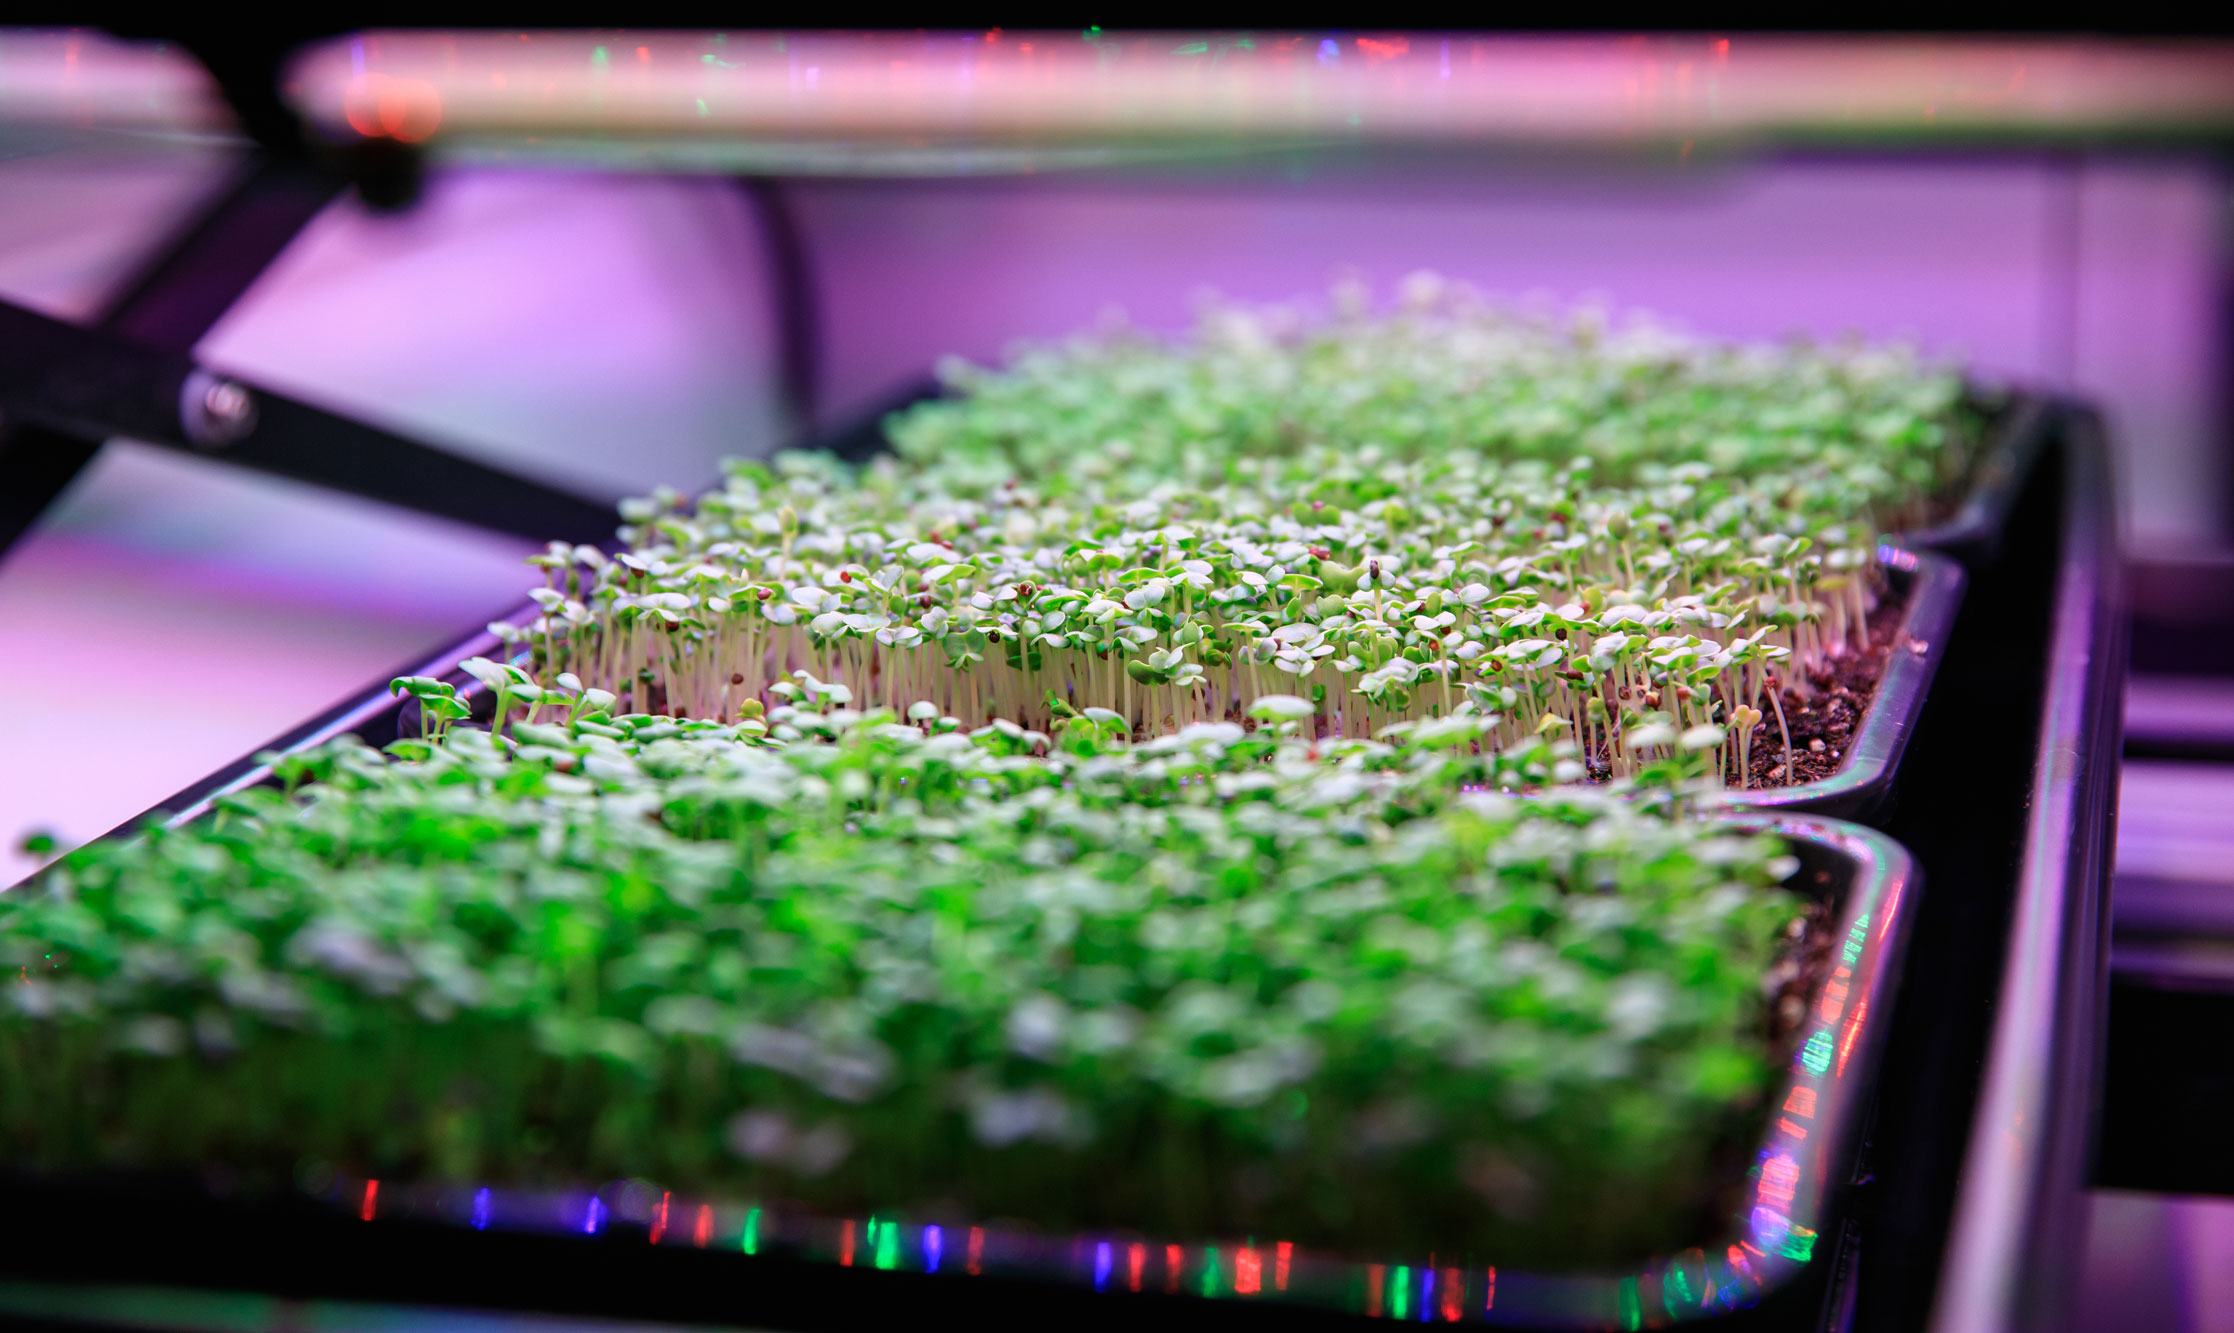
(1823, 718)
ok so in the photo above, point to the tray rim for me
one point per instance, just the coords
(2027, 1154)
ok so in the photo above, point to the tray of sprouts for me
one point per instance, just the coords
(1248, 1012)
(1444, 368)
(1563, 522)
(1383, 590)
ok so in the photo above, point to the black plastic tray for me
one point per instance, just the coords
(630, 1248)
(2021, 1217)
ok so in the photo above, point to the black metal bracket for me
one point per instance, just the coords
(177, 295)
(86, 384)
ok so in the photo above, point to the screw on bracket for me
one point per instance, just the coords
(216, 412)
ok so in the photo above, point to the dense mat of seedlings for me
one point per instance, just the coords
(1566, 527)
(1223, 982)
(1447, 371)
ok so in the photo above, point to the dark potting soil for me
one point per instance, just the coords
(1823, 719)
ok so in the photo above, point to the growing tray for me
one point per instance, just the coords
(1932, 586)
(2020, 427)
(1926, 567)
(632, 1248)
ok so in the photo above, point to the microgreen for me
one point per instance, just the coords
(1221, 981)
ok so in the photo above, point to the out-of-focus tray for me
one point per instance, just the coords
(633, 1248)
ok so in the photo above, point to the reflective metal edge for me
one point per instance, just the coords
(2013, 1243)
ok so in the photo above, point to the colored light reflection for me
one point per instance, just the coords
(1815, 1057)
(934, 1246)
(702, 1234)
(1248, 1271)
(370, 1208)
(1853, 1030)
(1833, 1004)
(1102, 1265)
(749, 1242)
(659, 1219)
(384, 106)
(593, 1217)
(481, 1209)
(1136, 1258)
(1676, 1292)
(1771, 1228)
(1400, 1293)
